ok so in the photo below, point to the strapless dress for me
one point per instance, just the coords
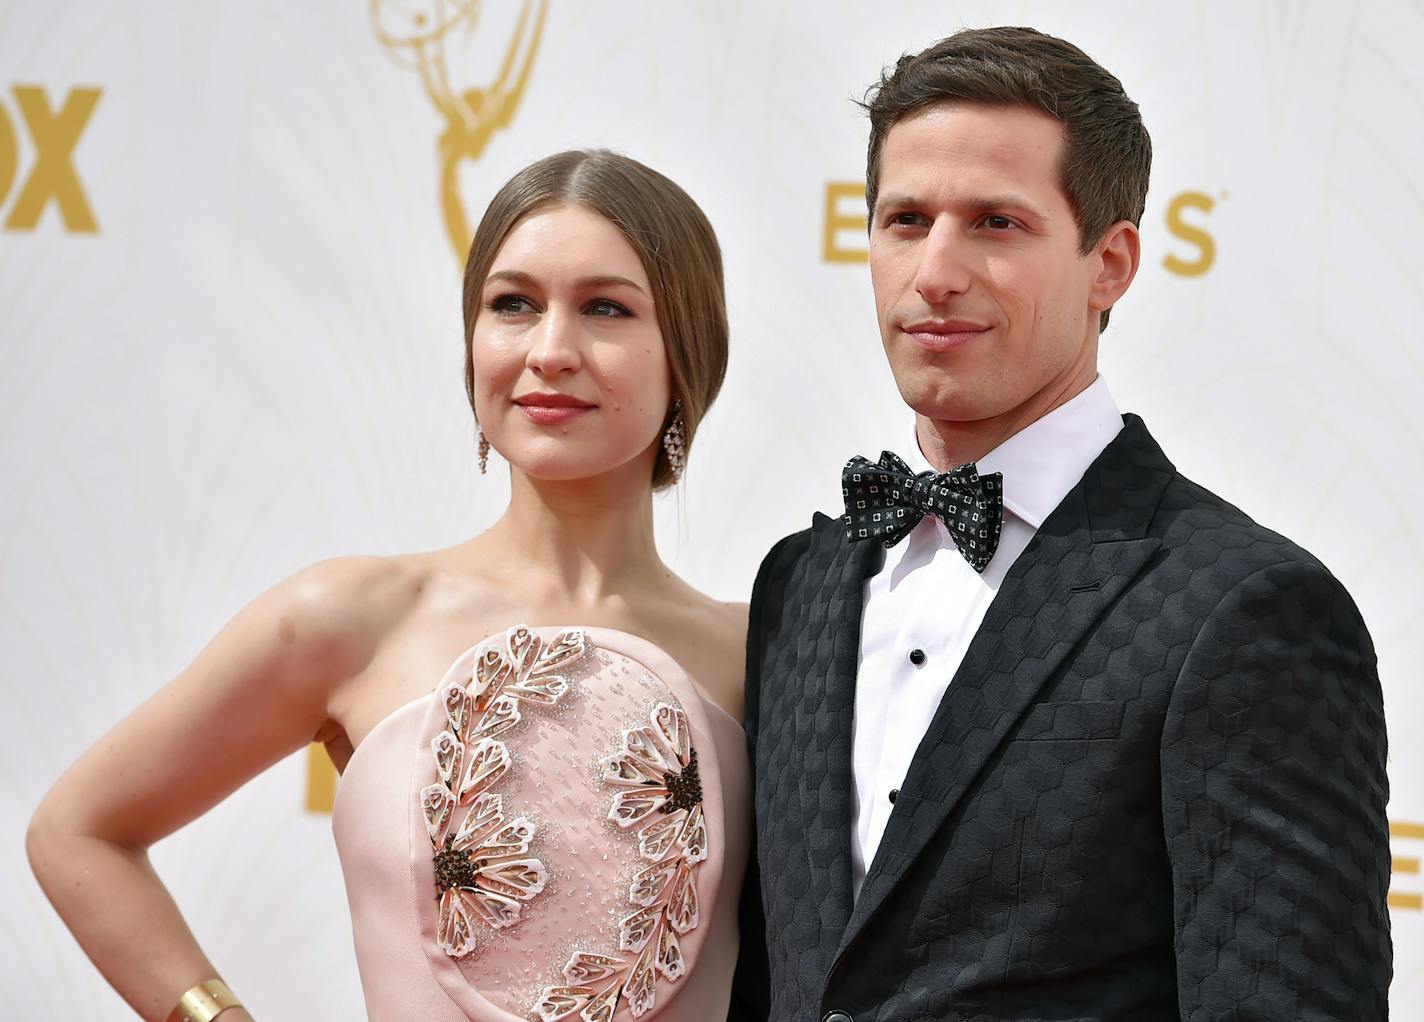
(557, 832)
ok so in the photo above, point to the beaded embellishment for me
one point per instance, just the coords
(483, 867)
(660, 792)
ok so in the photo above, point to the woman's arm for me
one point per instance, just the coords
(259, 691)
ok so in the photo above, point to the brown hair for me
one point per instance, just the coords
(1107, 153)
(673, 239)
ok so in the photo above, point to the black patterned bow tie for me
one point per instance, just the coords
(887, 500)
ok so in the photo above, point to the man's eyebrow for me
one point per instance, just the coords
(896, 200)
(1007, 200)
(597, 280)
(978, 204)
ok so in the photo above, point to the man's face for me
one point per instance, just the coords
(983, 299)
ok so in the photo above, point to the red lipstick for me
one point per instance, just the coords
(550, 408)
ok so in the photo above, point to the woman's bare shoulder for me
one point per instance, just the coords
(708, 636)
(339, 610)
(363, 584)
(728, 624)
(715, 623)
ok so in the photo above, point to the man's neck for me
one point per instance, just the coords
(949, 443)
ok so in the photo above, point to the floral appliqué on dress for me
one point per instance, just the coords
(483, 869)
(660, 792)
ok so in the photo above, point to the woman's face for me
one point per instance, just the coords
(571, 374)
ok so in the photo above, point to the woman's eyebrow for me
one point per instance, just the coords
(596, 280)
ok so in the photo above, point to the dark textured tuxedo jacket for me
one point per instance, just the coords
(1155, 789)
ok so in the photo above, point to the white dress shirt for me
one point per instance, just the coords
(927, 601)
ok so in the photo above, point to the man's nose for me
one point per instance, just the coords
(943, 269)
(554, 347)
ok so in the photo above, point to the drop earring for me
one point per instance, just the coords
(675, 442)
(484, 448)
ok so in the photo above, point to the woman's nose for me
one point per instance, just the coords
(554, 347)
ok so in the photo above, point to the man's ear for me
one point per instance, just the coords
(1117, 254)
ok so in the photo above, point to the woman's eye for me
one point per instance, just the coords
(604, 307)
(510, 304)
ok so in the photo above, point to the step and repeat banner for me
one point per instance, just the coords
(231, 238)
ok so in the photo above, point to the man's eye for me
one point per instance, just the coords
(997, 222)
(906, 220)
(604, 307)
(510, 304)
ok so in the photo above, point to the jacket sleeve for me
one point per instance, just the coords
(1273, 803)
(751, 983)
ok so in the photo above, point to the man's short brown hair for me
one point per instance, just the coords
(1107, 154)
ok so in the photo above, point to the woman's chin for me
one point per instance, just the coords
(568, 469)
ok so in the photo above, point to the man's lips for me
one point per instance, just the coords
(547, 409)
(944, 334)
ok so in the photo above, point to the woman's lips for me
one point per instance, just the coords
(546, 414)
(551, 408)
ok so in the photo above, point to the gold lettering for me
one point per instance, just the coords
(1405, 865)
(9, 154)
(53, 176)
(321, 779)
(836, 220)
(1190, 233)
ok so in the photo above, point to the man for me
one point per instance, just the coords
(1056, 734)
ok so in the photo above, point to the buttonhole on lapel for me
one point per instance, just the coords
(1087, 587)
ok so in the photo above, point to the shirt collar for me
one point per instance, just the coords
(1043, 461)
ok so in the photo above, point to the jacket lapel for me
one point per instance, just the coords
(828, 638)
(1085, 555)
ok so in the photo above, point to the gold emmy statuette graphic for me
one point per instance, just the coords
(422, 38)
(54, 134)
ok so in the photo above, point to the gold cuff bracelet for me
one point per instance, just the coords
(204, 1002)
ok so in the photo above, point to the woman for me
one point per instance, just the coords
(553, 825)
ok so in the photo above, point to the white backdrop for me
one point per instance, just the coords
(230, 342)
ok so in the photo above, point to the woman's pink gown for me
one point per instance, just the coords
(558, 831)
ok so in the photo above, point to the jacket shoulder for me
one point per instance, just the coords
(793, 559)
(1190, 515)
(1227, 559)
(1136, 491)
(793, 549)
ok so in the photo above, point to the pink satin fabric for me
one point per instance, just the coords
(556, 782)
